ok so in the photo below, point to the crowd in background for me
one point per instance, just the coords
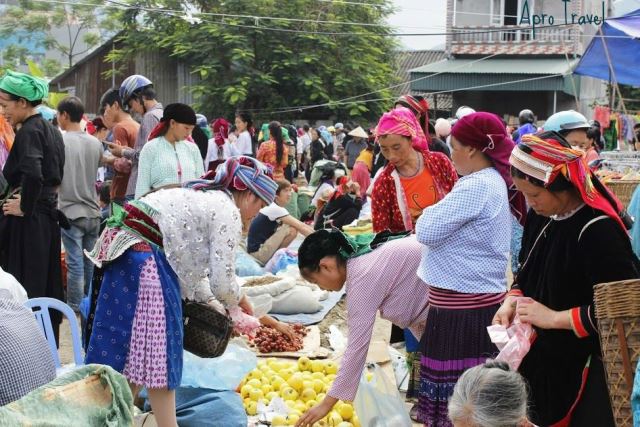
(152, 201)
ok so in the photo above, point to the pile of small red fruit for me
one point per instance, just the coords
(269, 340)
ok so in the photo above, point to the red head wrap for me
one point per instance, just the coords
(420, 108)
(486, 132)
(546, 156)
(220, 129)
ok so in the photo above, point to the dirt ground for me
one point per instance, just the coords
(66, 347)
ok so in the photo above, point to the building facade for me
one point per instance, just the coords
(508, 55)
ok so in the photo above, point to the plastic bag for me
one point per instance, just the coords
(246, 265)
(378, 403)
(513, 342)
(10, 288)
(400, 368)
(281, 259)
(243, 323)
(220, 373)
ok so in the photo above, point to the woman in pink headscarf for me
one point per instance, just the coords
(415, 177)
(467, 237)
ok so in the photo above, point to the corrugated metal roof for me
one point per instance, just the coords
(410, 59)
(498, 66)
(487, 82)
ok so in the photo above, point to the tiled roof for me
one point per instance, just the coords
(411, 59)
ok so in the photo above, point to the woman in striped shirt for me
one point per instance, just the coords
(379, 272)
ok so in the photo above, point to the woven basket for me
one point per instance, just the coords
(623, 189)
(618, 313)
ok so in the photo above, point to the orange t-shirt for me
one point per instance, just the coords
(420, 192)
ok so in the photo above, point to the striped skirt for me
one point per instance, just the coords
(454, 340)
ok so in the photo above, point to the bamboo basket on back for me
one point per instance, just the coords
(618, 313)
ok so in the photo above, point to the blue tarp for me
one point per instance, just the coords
(621, 38)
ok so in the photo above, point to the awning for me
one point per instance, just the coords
(522, 75)
(623, 50)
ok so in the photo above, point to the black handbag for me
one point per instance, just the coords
(206, 330)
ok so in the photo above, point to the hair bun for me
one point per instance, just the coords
(491, 364)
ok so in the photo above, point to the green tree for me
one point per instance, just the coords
(70, 29)
(267, 66)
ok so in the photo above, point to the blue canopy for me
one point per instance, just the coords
(622, 36)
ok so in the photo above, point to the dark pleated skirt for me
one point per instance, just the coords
(455, 339)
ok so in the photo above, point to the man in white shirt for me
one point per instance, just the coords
(274, 228)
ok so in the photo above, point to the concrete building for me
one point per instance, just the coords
(498, 60)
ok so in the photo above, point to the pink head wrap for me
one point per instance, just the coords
(220, 131)
(402, 121)
(486, 132)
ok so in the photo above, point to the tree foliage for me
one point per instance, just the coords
(247, 64)
(70, 29)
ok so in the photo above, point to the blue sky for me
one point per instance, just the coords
(420, 16)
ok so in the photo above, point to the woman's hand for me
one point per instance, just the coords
(12, 206)
(505, 314)
(536, 314)
(245, 305)
(285, 329)
(116, 148)
(316, 413)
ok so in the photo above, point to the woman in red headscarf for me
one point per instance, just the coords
(574, 238)
(415, 177)
(420, 107)
(218, 150)
(467, 237)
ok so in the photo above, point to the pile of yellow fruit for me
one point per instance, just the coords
(302, 385)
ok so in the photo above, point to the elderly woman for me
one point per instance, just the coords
(489, 395)
(574, 239)
(415, 177)
(168, 158)
(29, 228)
(378, 272)
(170, 243)
(466, 238)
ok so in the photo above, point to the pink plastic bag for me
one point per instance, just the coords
(243, 323)
(513, 342)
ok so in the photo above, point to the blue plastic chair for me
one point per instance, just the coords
(40, 307)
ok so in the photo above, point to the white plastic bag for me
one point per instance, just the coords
(378, 403)
(220, 373)
(10, 288)
(400, 369)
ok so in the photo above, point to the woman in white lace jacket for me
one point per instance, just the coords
(173, 244)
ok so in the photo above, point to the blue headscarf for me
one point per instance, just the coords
(239, 173)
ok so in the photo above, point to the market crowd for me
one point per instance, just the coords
(151, 203)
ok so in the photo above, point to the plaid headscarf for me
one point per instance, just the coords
(546, 156)
(401, 121)
(239, 173)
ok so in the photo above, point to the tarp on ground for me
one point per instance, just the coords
(621, 36)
